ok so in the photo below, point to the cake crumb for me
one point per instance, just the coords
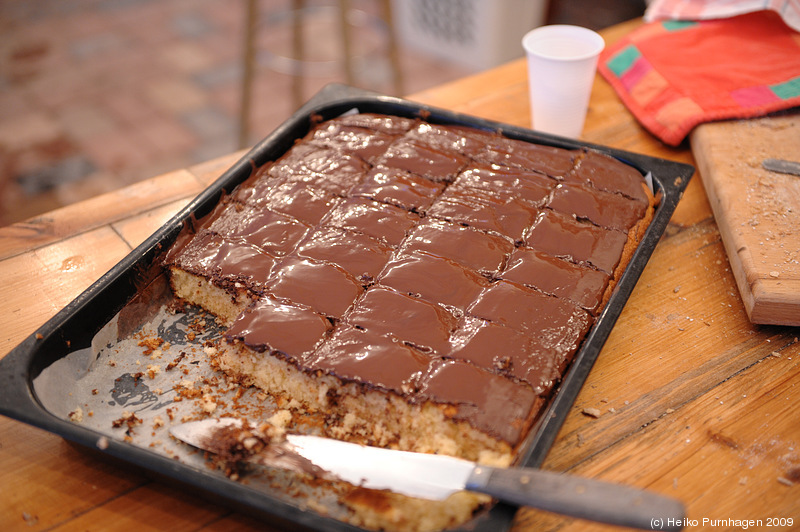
(128, 419)
(281, 418)
(592, 412)
(209, 403)
(76, 416)
(317, 507)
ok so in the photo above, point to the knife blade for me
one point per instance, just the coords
(436, 477)
(781, 166)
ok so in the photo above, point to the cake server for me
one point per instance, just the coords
(436, 477)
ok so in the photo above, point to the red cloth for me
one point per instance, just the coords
(674, 75)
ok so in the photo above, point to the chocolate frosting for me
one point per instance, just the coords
(558, 277)
(271, 325)
(477, 250)
(412, 320)
(582, 242)
(440, 263)
(612, 211)
(435, 279)
(398, 187)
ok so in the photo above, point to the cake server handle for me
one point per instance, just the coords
(584, 498)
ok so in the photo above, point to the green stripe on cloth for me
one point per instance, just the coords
(622, 61)
(677, 25)
(787, 89)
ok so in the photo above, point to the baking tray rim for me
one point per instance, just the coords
(18, 367)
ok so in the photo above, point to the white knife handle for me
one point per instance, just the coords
(579, 497)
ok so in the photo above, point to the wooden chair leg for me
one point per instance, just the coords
(347, 43)
(298, 55)
(248, 66)
(298, 52)
(394, 54)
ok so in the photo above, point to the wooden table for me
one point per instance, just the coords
(695, 402)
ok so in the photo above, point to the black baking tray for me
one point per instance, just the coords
(74, 327)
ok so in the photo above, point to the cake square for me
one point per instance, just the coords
(606, 209)
(502, 350)
(610, 175)
(507, 217)
(478, 394)
(504, 183)
(271, 325)
(300, 201)
(426, 161)
(362, 142)
(320, 286)
(219, 275)
(230, 261)
(257, 188)
(579, 241)
(529, 311)
(481, 251)
(275, 233)
(557, 277)
(433, 279)
(548, 160)
(379, 220)
(413, 321)
(360, 255)
(448, 139)
(400, 188)
(320, 168)
(363, 356)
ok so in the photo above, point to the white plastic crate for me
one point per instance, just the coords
(477, 34)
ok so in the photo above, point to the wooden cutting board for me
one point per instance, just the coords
(758, 211)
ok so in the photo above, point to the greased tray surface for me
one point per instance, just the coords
(77, 324)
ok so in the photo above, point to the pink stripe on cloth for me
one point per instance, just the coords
(754, 96)
(635, 73)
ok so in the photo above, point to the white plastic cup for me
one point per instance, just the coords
(562, 61)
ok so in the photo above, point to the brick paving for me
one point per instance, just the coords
(98, 94)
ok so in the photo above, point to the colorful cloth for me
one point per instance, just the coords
(789, 10)
(674, 75)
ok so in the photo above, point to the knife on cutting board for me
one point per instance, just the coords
(436, 477)
(781, 166)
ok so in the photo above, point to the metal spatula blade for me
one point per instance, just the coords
(436, 477)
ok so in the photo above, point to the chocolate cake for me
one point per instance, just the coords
(423, 286)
